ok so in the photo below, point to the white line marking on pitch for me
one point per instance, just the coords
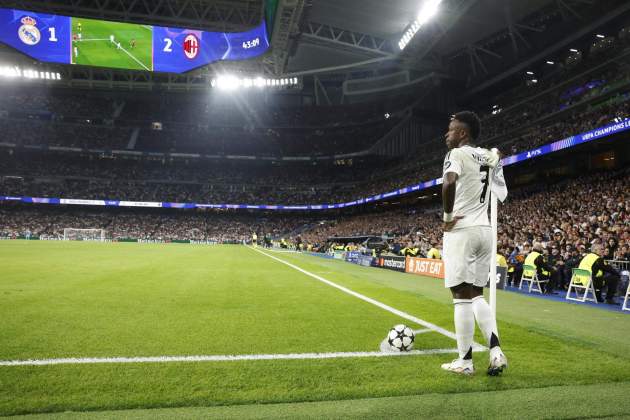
(219, 358)
(476, 346)
(281, 251)
(132, 57)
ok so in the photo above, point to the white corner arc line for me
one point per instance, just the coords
(476, 346)
(219, 358)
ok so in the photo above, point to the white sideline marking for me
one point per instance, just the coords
(225, 358)
(476, 346)
(281, 251)
(132, 57)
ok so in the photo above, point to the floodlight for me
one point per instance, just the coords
(429, 9)
(227, 82)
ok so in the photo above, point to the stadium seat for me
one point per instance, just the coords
(531, 275)
(581, 282)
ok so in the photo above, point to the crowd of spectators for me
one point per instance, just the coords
(49, 223)
(564, 217)
(521, 139)
(413, 227)
(43, 133)
(567, 218)
(253, 111)
(267, 141)
(48, 175)
(202, 182)
(208, 182)
(596, 75)
(58, 105)
(243, 140)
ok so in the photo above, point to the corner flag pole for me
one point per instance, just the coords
(493, 256)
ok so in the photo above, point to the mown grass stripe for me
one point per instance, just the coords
(476, 346)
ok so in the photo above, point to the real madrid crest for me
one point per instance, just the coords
(28, 32)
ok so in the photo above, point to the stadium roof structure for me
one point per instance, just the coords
(475, 41)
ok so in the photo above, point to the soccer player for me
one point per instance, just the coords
(132, 43)
(79, 27)
(254, 240)
(468, 241)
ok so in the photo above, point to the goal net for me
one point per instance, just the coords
(70, 234)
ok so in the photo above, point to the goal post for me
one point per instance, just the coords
(72, 234)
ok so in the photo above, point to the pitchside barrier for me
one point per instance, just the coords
(435, 268)
(413, 265)
(425, 267)
(392, 262)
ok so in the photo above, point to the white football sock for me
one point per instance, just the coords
(464, 327)
(486, 320)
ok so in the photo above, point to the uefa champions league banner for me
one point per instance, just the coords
(572, 141)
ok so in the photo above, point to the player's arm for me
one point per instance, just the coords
(452, 169)
(449, 185)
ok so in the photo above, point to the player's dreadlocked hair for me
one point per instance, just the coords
(471, 120)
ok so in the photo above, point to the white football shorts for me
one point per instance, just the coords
(467, 256)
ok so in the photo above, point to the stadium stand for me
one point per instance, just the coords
(196, 181)
(61, 143)
(565, 226)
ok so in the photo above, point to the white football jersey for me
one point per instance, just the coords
(472, 192)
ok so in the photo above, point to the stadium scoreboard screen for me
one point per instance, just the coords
(70, 40)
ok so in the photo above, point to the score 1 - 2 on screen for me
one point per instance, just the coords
(67, 40)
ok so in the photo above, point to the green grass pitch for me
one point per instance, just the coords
(81, 299)
(95, 48)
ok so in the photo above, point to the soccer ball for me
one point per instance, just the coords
(401, 338)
